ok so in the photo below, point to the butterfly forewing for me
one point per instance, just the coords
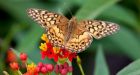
(47, 19)
(54, 24)
(100, 29)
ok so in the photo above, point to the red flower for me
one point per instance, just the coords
(65, 53)
(14, 65)
(49, 53)
(43, 54)
(71, 56)
(49, 45)
(31, 69)
(56, 57)
(11, 56)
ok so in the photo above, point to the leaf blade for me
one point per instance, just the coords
(127, 42)
(91, 10)
(120, 13)
(100, 63)
(132, 69)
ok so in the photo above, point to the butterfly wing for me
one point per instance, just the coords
(82, 35)
(55, 24)
(100, 29)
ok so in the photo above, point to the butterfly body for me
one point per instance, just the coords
(71, 34)
(71, 27)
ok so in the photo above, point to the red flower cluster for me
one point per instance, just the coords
(44, 68)
(32, 69)
(63, 69)
(41, 68)
(55, 53)
(47, 50)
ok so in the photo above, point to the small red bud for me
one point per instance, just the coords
(64, 72)
(38, 69)
(14, 65)
(70, 69)
(56, 69)
(49, 67)
(66, 65)
(45, 65)
(61, 67)
(23, 57)
(40, 64)
(44, 69)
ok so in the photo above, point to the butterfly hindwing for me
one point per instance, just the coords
(56, 36)
(79, 43)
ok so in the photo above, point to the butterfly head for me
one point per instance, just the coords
(73, 20)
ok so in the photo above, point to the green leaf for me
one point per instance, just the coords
(127, 42)
(131, 69)
(120, 13)
(18, 9)
(100, 63)
(30, 40)
(93, 8)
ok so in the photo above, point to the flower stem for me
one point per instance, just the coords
(70, 64)
(49, 73)
(70, 73)
(19, 72)
(5, 73)
(79, 65)
(81, 69)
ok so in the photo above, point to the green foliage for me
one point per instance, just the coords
(100, 64)
(127, 42)
(92, 8)
(121, 14)
(131, 69)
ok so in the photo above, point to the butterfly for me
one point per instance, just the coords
(70, 34)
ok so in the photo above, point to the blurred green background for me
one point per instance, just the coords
(20, 32)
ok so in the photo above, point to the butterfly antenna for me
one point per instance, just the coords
(60, 12)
